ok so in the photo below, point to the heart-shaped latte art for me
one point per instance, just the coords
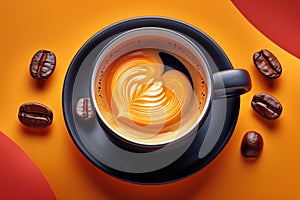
(147, 98)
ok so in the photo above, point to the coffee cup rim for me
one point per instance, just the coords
(207, 74)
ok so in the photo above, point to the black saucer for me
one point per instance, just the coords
(167, 164)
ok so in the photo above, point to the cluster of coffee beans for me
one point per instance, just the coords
(265, 105)
(32, 114)
(37, 115)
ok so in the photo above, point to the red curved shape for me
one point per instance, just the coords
(277, 20)
(20, 178)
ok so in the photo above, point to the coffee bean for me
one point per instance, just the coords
(42, 64)
(252, 144)
(84, 109)
(35, 115)
(267, 106)
(267, 64)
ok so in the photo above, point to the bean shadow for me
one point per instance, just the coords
(87, 125)
(43, 132)
(40, 84)
(270, 83)
(271, 124)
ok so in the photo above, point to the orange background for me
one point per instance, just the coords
(64, 26)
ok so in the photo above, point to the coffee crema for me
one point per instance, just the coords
(150, 95)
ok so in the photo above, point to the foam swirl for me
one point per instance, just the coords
(144, 94)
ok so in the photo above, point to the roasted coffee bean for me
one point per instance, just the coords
(42, 64)
(84, 109)
(252, 144)
(267, 106)
(35, 115)
(267, 64)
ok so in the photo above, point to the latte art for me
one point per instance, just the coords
(147, 99)
(143, 93)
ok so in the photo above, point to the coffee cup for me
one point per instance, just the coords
(152, 87)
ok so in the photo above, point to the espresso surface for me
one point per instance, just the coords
(149, 95)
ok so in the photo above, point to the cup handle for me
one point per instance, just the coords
(231, 83)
